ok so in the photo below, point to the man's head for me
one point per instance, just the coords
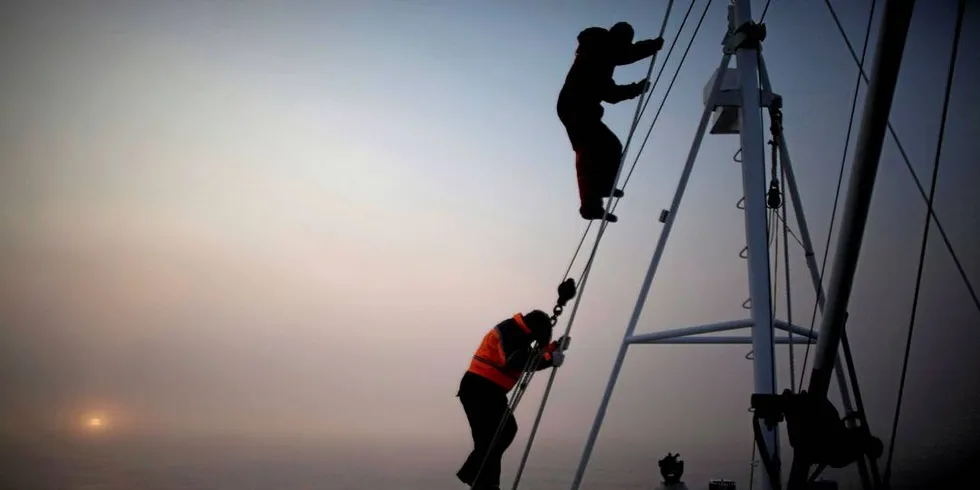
(621, 33)
(540, 325)
(592, 40)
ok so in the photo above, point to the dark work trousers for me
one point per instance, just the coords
(485, 404)
(598, 156)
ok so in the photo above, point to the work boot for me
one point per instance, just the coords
(465, 478)
(596, 212)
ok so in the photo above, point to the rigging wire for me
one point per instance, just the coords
(534, 360)
(667, 93)
(762, 17)
(530, 366)
(663, 66)
(636, 119)
(610, 207)
(840, 179)
(960, 13)
(588, 266)
(774, 301)
(908, 165)
(788, 228)
(646, 102)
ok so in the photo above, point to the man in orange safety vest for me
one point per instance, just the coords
(494, 369)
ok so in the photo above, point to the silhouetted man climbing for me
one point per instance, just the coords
(590, 82)
(494, 370)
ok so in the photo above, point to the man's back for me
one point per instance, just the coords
(590, 79)
(590, 73)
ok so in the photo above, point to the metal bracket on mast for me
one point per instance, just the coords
(728, 91)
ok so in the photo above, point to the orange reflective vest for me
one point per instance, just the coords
(490, 359)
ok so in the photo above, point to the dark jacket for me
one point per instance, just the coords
(590, 79)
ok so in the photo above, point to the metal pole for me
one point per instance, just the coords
(889, 51)
(839, 370)
(726, 340)
(756, 229)
(651, 271)
(877, 107)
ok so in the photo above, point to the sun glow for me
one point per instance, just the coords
(95, 422)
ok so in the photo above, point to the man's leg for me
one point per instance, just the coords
(592, 162)
(473, 407)
(609, 159)
(491, 472)
(591, 191)
(585, 170)
(484, 411)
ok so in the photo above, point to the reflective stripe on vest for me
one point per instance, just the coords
(490, 360)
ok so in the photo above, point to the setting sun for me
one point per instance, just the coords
(94, 422)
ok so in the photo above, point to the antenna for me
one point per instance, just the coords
(727, 92)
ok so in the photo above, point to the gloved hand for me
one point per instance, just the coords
(557, 358)
(562, 343)
(640, 88)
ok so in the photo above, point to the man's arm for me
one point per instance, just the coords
(615, 94)
(547, 360)
(554, 353)
(639, 50)
(517, 357)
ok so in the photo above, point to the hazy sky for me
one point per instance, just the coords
(301, 218)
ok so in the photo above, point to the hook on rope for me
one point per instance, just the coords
(774, 198)
(566, 292)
